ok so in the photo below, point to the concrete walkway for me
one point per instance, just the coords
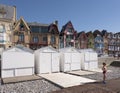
(20, 79)
(112, 86)
(81, 72)
(66, 80)
(98, 70)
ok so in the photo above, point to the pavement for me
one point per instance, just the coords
(66, 80)
(20, 79)
(81, 72)
(111, 86)
(99, 70)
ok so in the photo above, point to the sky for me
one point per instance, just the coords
(85, 15)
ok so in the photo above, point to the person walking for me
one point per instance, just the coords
(104, 69)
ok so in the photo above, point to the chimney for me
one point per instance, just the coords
(56, 22)
(15, 13)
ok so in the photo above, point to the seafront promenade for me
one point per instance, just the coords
(39, 84)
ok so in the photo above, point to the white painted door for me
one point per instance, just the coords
(75, 57)
(87, 56)
(67, 58)
(55, 62)
(67, 67)
(75, 66)
(45, 62)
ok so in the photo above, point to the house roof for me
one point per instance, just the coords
(49, 27)
(65, 26)
(21, 19)
(36, 24)
(78, 34)
(97, 32)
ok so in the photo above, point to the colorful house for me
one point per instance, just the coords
(105, 40)
(90, 40)
(98, 42)
(82, 40)
(43, 35)
(21, 33)
(67, 35)
(113, 44)
(7, 19)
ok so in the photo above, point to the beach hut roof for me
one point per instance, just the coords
(19, 48)
(68, 49)
(46, 49)
(86, 50)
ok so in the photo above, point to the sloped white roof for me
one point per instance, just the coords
(18, 48)
(68, 49)
(86, 50)
(46, 49)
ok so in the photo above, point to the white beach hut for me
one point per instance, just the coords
(70, 59)
(47, 60)
(1, 50)
(89, 59)
(17, 61)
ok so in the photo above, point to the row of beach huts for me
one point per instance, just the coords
(22, 61)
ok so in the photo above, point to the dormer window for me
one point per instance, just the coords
(53, 40)
(114, 36)
(21, 27)
(53, 31)
(70, 30)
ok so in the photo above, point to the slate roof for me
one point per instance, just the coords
(36, 24)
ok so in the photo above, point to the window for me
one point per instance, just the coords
(69, 36)
(70, 30)
(35, 39)
(22, 27)
(45, 39)
(2, 28)
(34, 29)
(44, 29)
(1, 38)
(39, 29)
(1, 15)
(21, 37)
(53, 39)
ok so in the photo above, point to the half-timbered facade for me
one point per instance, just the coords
(67, 35)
